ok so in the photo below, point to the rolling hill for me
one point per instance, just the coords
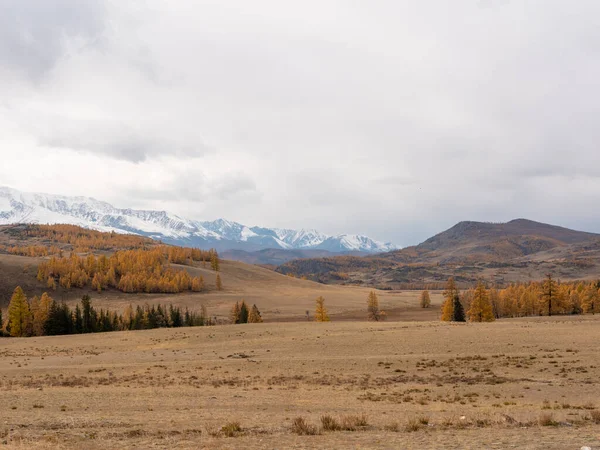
(279, 297)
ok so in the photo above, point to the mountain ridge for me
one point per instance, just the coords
(26, 207)
(518, 250)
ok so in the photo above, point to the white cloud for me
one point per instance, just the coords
(394, 119)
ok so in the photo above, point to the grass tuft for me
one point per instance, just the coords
(329, 423)
(547, 420)
(301, 427)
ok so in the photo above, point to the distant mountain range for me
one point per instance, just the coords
(519, 250)
(25, 207)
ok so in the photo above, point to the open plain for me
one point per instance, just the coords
(519, 383)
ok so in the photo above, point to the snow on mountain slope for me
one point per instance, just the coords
(25, 207)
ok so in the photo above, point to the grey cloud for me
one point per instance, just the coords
(118, 140)
(33, 33)
(390, 118)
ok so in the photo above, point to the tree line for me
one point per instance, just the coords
(131, 271)
(548, 297)
(45, 317)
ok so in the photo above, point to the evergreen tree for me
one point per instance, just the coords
(60, 320)
(481, 308)
(425, 299)
(18, 314)
(78, 320)
(448, 305)
(87, 324)
(203, 315)
(254, 316)
(175, 317)
(243, 312)
(320, 311)
(458, 312)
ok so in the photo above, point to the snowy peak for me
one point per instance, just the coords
(25, 207)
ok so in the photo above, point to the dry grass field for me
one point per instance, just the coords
(278, 297)
(523, 383)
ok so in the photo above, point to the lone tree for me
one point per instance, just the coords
(219, 283)
(425, 299)
(321, 312)
(458, 312)
(549, 292)
(214, 261)
(19, 316)
(254, 316)
(448, 306)
(481, 308)
(373, 310)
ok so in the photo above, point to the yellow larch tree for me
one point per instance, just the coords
(19, 315)
(481, 308)
(425, 299)
(320, 311)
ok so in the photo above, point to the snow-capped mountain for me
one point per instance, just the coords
(25, 207)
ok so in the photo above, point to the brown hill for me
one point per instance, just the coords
(503, 252)
(279, 297)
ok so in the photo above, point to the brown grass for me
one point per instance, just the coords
(332, 385)
(302, 428)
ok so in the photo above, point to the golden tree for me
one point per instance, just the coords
(481, 308)
(373, 307)
(219, 283)
(321, 312)
(214, 261)
(549, 293)
(254, 316)
(425, 299)
(234, 314)
(40, 314)
(590, 303)
(19, 315)
(449, 294)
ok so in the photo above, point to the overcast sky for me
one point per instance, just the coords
(391, 118)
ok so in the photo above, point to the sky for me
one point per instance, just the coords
(394, 119)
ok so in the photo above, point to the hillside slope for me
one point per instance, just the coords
(518, 250)
(279, 297)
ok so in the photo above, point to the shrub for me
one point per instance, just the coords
(547, 420)
(303, 428)
(413, 425)
(231, 429)
(595, 416)
(394, 427)
(353, 423)
(329, 423)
